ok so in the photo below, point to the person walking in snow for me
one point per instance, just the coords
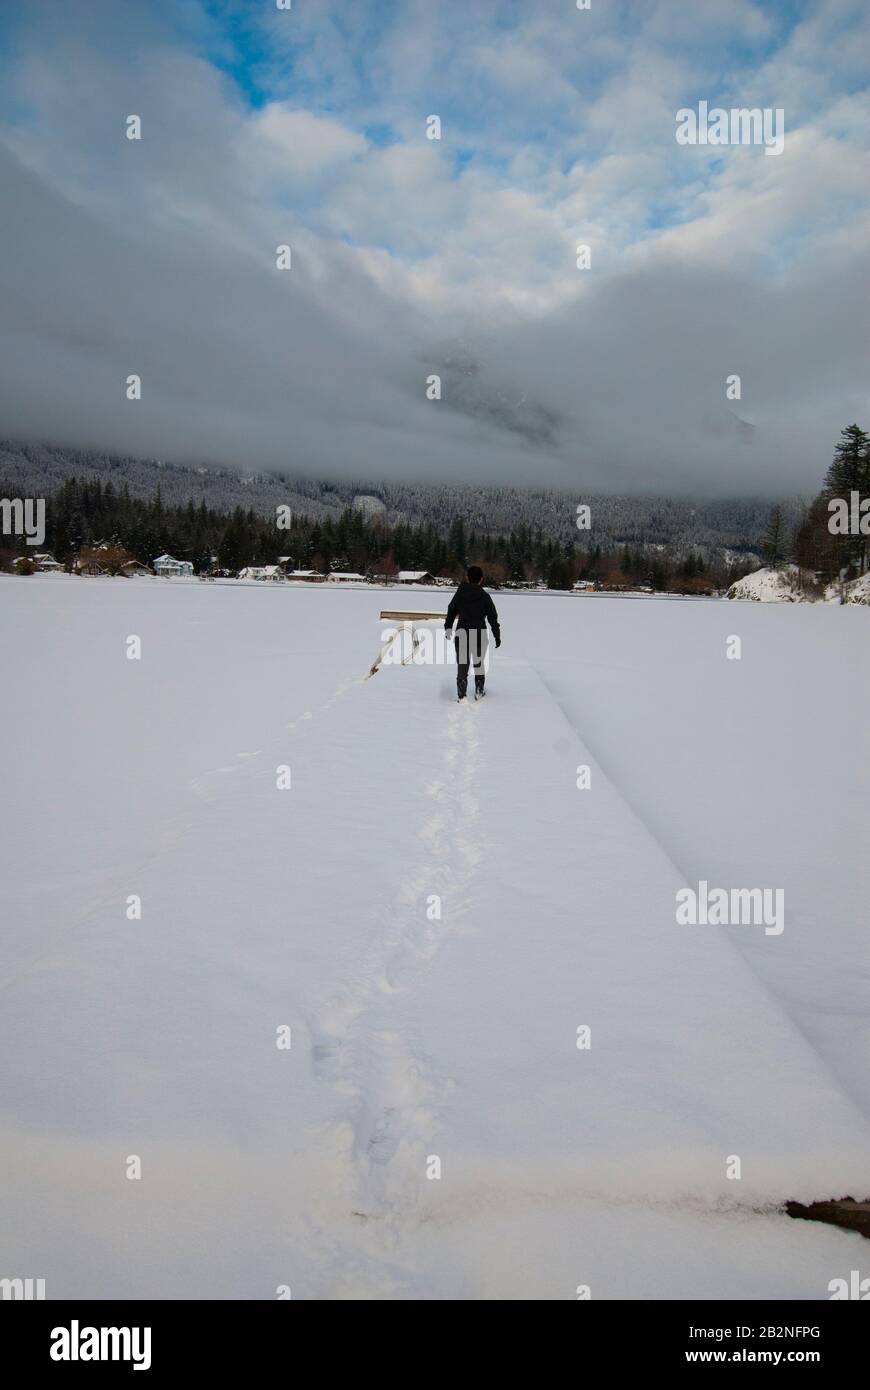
(471, 607)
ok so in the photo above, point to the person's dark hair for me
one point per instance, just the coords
(475, 574)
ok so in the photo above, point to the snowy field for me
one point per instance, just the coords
(423, 1043)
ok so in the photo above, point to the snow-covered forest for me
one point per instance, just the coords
(739, 524)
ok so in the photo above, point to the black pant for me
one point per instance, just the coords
(471, 647)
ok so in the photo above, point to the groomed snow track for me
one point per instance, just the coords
(435, 920)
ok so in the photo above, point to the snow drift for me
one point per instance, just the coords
(789, 585)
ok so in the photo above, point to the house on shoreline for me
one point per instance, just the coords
(269, 573)
(168, 567)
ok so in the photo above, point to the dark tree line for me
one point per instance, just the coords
(815, 543)
(83, 514)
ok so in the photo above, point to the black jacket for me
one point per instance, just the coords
(470, 607)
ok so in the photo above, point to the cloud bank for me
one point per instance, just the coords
(412, 257)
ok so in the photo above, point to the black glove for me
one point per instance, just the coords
(498, 641)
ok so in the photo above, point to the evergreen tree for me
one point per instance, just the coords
(850, 467)
(457, 546)
(850, 473)
(773, 545)
(560, 574)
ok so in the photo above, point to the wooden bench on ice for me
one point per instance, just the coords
(407, 618)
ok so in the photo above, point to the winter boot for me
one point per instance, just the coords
(479, 691)
(461, 688)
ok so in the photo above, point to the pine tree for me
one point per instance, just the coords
(456, 542)
(850, 472)
(850, 467)
(773, 545)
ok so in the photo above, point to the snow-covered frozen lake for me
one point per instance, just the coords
(432, 908)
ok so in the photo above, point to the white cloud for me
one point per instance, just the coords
(159, 256)
(304, 144)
